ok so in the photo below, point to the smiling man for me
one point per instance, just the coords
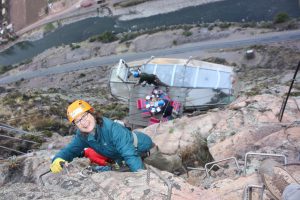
(103, 135)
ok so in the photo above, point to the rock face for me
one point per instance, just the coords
(183, 141)
(252, 125)
(21, 181)
(248, 124)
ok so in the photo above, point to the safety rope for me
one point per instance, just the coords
(5, 136)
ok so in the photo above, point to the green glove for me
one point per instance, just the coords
(56, 165)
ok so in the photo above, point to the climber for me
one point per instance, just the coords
(291, 192)
(148, 78)
(103, 135)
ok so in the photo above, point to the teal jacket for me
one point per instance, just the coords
(111, 140)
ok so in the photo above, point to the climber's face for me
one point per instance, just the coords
(85, 122)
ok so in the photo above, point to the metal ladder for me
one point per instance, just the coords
(248, 190)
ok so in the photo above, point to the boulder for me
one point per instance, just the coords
(253, 126)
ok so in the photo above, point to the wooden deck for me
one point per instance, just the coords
(135, 115)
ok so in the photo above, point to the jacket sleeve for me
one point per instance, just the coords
(123, 142)
(72, 150)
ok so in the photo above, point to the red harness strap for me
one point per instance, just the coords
(95, 157)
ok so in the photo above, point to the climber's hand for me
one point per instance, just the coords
(57, 165)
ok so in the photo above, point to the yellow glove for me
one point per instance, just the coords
(56, 165)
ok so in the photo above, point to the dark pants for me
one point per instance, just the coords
(156, 159)
(158, 82)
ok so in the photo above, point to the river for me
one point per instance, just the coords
(229, 10)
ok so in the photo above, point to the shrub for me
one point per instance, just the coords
(74, 46)
(24, 45)
(248, 24)
(216, 60)
(187, 33)
(81, 75)
(47, 133)
(5, 68)
(33, 138)
(295, 94)
(93, 39)
(281, 17)
(10, 98)
(49, 27)
(291, 25)
(266, 25)
(46, 124)
(113, 110)
(26, 61)
(107, 37)
(187, 27)
(197, 152)
(25, 97)
(210, 27)
(224, 25)
(129, 36)
(253, 92)
(55, 110)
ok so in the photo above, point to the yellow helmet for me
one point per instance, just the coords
(78, 107)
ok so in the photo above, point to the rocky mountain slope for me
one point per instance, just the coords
(249, 124)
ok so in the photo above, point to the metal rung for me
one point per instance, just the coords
(231, 158)
(263, 154)
(196, 168)
(247, 194)
(169, 184)
(213, 167)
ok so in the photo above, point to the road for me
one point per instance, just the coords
(190, 48)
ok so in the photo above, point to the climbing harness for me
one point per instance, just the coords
(135, 140)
